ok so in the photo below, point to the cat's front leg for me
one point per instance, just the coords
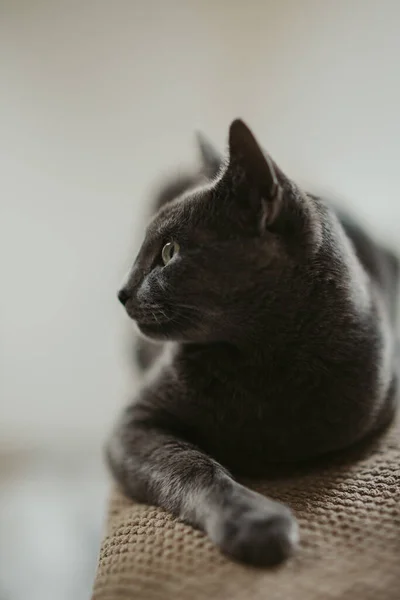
(155, 466)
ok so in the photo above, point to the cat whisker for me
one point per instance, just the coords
(196, 309)
(155, 317)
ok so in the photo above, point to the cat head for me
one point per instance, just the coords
(220, 260)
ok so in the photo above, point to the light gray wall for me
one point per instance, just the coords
(97, 99)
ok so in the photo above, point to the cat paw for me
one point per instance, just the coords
(263, 533)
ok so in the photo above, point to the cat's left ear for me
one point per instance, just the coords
(248, 160)
(210, 157)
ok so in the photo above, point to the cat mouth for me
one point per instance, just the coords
(147, 319)
(151, 323)
(152, 327)
(154, 322)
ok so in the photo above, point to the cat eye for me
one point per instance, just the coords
(169, 251)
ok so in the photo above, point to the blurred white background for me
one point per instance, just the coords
(97, 100)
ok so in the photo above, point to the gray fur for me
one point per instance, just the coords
(276, 323)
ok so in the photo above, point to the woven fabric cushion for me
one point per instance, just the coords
(349, 517)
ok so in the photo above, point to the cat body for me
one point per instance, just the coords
(273, 326)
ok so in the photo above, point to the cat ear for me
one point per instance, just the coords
(248, 159)
(210, 157)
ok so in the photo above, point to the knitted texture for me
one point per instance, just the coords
(349, 517)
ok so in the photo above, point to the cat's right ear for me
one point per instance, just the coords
(210, 157)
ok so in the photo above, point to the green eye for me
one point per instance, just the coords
(169, 251)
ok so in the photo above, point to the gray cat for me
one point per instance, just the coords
(275, 323)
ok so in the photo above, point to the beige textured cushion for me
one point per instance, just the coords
(349, 516)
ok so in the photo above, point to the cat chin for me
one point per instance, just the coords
(159, 333)
(154, 331)
(167, 331)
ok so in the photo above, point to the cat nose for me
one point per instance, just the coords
(123, 296)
